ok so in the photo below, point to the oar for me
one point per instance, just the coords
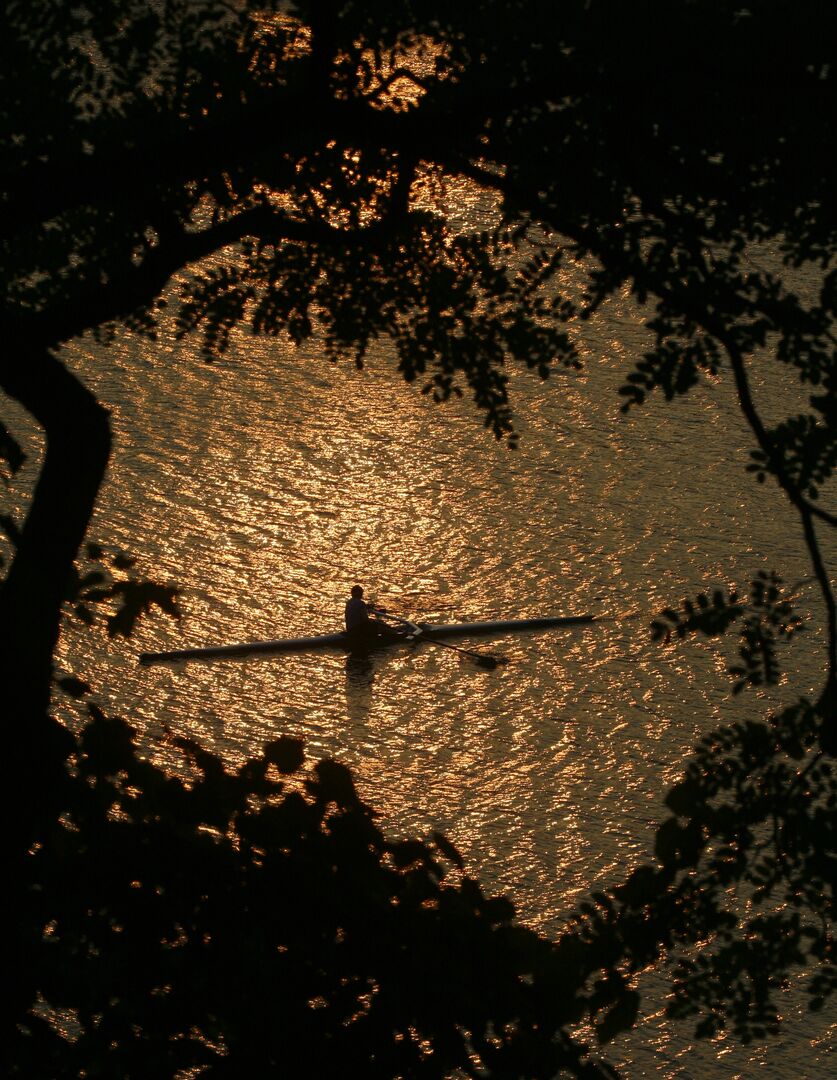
(480, 659)
(489, 663)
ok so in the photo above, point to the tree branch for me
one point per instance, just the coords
(681, 300)
(138, 286)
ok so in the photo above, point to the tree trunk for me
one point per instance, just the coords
(78, 442)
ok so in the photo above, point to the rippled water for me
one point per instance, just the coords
(266, 484)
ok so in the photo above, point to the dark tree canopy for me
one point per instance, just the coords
(224, 164)
(250, 929)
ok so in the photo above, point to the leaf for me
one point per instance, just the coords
(684, 797)
(76, 688)
(85, 614)
(642, 887)
(448, 850)
(678, 845)
(95, 577)
(335, 783)
(286, 753)
(622, 1016)
(138, 597)
(94, 596)
(408, 853)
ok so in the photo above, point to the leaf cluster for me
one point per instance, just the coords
(456, 308)
(761, 801)
(743, 887)
(109, 579)
(764, 619)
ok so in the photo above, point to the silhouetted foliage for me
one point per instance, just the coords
(256, 921)
(283, 162)
(765, 618)
(743, 889)
(128, 597)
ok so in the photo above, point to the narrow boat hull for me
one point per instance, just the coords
(282, 645)
(340, 640)
(502, 626)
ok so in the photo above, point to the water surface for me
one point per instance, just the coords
(266, 484)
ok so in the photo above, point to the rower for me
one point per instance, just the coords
(359, 627)
(357, 611)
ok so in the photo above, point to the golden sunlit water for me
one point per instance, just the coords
(265, 485)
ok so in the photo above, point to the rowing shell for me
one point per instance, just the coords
(341, 641)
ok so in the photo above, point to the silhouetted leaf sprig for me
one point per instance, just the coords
(763, 801)
(764, 618)
(111, 582)
(73, 686)
(674, 366)
(804, 449)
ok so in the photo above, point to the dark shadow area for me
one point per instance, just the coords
(360, 670)
(258, 922)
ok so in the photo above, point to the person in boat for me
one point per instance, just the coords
(360, 628)
(357, 611)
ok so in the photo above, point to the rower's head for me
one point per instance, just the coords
(357, 591)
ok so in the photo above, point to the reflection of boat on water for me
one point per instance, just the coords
(343, 642)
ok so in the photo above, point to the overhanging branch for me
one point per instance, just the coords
(681, 299)
(138, 286)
